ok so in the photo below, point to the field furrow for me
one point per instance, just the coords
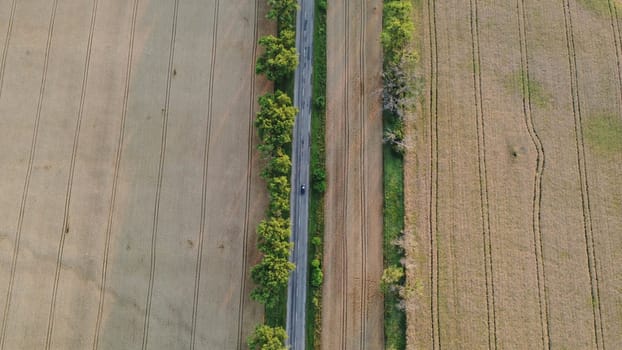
(598, 90)
(112, 178)
(249, 311)
(433, 202)
(72, 167)
(483, 175)
(18, 123)
(540, 163)
(353, 251)
(117, 161)
(615, 31)
(516, 144)
(592, 263)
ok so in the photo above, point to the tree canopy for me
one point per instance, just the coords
(398, 29)
(267, 338)
(283, 11)
(274, 236)
(275, 119)
(271, 275)
(280, 57)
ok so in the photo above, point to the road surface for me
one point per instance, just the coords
(297, 287)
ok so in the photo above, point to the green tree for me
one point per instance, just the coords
(279, 164)
(317, 276)
(271, 276)
(275, 119)
(391, 277)
(279, 58)
(274, 236)
(279, 189)
(398, 29)
(284, 11)
(267, 338)
(288, 38)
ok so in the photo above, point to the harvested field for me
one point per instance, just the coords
(514, 188)
(129, 176)
(352, 303)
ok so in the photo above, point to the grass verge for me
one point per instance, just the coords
(393, 225)
(318, 178)
(399, 95)
(276, 316)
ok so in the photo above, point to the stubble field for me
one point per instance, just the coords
(514, 191)
(128, 172)
(352, 304)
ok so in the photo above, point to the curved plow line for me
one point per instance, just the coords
(33, 148)
(113, 195)
(537, 194)
(5, 49)
(156, 211)
(208, 132)
(72, 167)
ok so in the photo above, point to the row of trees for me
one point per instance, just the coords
(274, 123)
(399, 97)
(399, 92)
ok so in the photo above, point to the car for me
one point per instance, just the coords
(303, 189)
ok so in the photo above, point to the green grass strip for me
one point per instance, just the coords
(318, 177)
(393, 225)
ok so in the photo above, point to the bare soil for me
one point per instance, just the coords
(129, 173)
(352, 305)
(512, 209)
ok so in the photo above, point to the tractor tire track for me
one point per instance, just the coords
(481, 146)
(72, 167)
(592, 260)
(156, 211)
(208, 131)
(115, 181)
(537, 191)
(346, 138)
(33, 148)
(249, 167)
(363, 179)
(615, 30)
(5, 49)
(619, 32)
(433, 203)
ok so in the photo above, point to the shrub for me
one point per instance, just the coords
(267, 338)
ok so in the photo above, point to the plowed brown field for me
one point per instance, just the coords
(352, 306)
(128, 173)
(514, 191)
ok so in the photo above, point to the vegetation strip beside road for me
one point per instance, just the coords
(274, 122)
(318, 179)
(399, 95)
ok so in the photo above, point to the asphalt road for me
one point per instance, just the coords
(297, 287)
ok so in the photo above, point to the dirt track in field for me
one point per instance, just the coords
(130, 187)
(513, 202)
(352, 303)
